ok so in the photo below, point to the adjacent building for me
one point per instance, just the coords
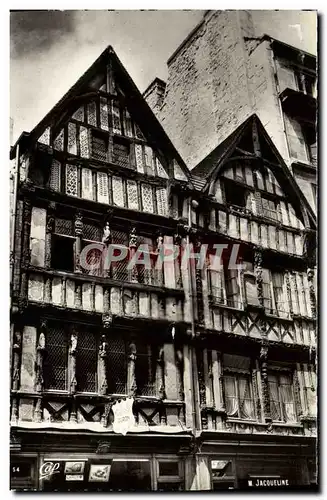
(196, 372)
(226, 70)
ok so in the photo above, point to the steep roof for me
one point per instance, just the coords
(208, 169)
(134, 99)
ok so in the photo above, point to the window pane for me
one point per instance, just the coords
(99, 147)
(168, 469)
(55, 363)
(130, 475)
(121, 154)
(86, 362)
(117, 366)
(230, 396)
(274, 398)
(62, 253)
(245, 399)
(145, 370)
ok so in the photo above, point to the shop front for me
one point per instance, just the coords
(101, 464)
(253, 463)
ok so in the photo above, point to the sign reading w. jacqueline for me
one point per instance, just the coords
(268, 482)
(123, 416)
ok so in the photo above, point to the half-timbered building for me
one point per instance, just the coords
(172, 376)
(99, 170)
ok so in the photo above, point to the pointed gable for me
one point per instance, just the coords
(247, 171)
(105, 99)
(100, 132)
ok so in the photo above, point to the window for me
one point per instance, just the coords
(224, 283)
(306, 83)
(99, 146)
(119, 269)
(145, 369)
(250, 284)
(146, 273)
(86, 362)
(121, 153)
(92, 234)
(274, 293)
(235, 194)
(62, 245)
(56, 358)
(237, 387)
(302, 140)
(282, 406)
(117, 366)
(309, 379)
(222, 475)
(238, 396)
(232, 287)
(269, 208)
(169, 475)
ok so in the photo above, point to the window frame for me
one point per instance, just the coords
(229, 372)
(277, 374)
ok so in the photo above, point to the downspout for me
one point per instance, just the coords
(13, 216)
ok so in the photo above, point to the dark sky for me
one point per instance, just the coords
(50, 50)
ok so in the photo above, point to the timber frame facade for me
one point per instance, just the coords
(221, 364)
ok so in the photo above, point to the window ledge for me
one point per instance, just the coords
(286, 424)
(275, 316)
(244, 421)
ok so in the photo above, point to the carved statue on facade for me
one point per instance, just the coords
(106, 234)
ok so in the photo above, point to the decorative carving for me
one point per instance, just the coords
(105, 417)
(133, 238)
(14, 410)
(296, 385)
(107, 320)
(16, 360)
(289, 292)
(27, 214)
(72, 354)
(106, 238)
(40, 350)
(161, 373)
(258, 273)
(312, 294)
(256, 394)
(103, 355)
(103, 446)
(264, 382)
(131, 370)
(78, 224)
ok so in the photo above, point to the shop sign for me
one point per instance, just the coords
(268, 482)
(48, 469)
(123, 416)
(74, 477)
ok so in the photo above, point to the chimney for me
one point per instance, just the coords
(154, 94)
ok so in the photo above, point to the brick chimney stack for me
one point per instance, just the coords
(155, 93)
